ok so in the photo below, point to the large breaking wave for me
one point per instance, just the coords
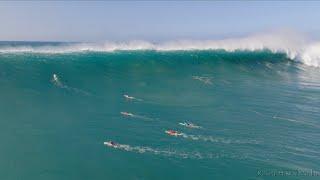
(294, 45)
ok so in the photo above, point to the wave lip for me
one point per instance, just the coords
(293, 45)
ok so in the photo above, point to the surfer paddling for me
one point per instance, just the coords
(190, 125)
(127, 114)
(173, 133)
(111, 144)
(128, 97)
(56, 81)
(131, 98)
(205, 80)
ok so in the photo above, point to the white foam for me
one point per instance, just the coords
(294, 45)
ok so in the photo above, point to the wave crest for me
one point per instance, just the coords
(295, 46)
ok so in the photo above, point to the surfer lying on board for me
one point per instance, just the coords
(127, 114)
(173, 133)
(131, 98)
(128, 97)
(56, 81)
(190, 125)
(205, 80)
(111, 144)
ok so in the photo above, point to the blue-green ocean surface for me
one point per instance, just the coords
(259, 113)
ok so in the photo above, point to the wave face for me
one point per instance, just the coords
(258, 110)
(295, 46)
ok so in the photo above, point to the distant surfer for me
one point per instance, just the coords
(190, 125)
(56, 80)
(131, 97)
(173, 133)
(127, 114)
(111, 144)
(55, 77)
(128, 97)
(205, 80)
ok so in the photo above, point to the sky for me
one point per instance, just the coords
(151, 20)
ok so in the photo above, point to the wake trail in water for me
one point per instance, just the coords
(172, 153)
(127, 114)
(217, 139)
(296, 121)
(286, 119)
(57, 82)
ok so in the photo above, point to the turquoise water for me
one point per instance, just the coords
(259, 114)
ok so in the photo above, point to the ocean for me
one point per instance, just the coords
(255, 111)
